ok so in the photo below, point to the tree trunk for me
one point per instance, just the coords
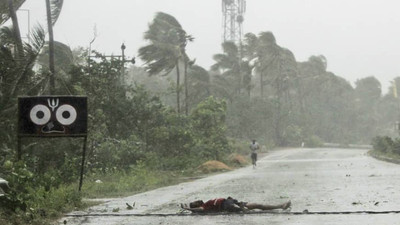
(186, 89)
(261, 84)
(51, 48)
(177, 87)
(278, 124)
(17, 33)
(240, 68)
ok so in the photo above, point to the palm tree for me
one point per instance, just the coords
(198, 82)
(166, 50)
(246, 70)
(15, 74)
(249, 47)
(22, 60)
(53, 9)
(17, 34)
(63, 59)
(5, 10)
(228, 67)
(18, 70)
(268, 54)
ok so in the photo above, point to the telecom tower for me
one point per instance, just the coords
(233, 11)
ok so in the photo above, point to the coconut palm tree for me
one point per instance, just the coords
(166, 50)
(198, 82)
(268, 57)
(17, 34)
(227, 66)
(5, 11)
(249, 47)
(63, 59)
(16, 74)
(53, 9)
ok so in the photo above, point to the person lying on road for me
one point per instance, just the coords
(230, 205)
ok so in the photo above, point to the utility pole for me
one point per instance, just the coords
(122, 56)
(123, 47)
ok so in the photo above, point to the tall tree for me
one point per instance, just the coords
(227, 66)
(53, 9)
(63, 59)
(17, 33)
(268, 57)
(249, 47)
(17, 67)
(368, 90)
(4, 9)
(199, 84)
(166, 50)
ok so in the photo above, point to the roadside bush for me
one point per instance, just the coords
(239, 147)
(30, 199)
(396, 146)
(116, 154)
(54, 202)
(293, 136)
(172, 141)
(313, 141)
(383, 144)
(208, 122)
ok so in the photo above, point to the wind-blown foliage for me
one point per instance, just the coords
(199, 85)
(55, 8)
(209, 128)
(16, 75)
(300, 101)
(166, 50)
(228, 69)
(4, 10)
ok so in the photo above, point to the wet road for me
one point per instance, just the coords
(325, 182)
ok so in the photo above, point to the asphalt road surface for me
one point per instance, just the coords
(335, 186)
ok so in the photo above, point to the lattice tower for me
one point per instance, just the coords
(233, 17)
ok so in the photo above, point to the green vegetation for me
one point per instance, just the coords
(386, 148)
(139, 137)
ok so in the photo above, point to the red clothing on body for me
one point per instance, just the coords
(213, 204)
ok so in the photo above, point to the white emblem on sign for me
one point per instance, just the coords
(66, 114)
(53, 104)
(40, 114)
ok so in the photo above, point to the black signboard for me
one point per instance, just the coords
(52, 116)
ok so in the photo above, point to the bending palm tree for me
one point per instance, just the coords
(228, 66)
(53, 9)
(17, 34)
(5, 10)
(166, 50)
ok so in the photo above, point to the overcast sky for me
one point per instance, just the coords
(359, 38)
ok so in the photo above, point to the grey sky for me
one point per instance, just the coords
(359, 38)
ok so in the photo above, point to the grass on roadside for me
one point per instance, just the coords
(141, 179)
(120, 184)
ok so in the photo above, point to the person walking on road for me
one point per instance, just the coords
(230, 205)
(254, 146)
